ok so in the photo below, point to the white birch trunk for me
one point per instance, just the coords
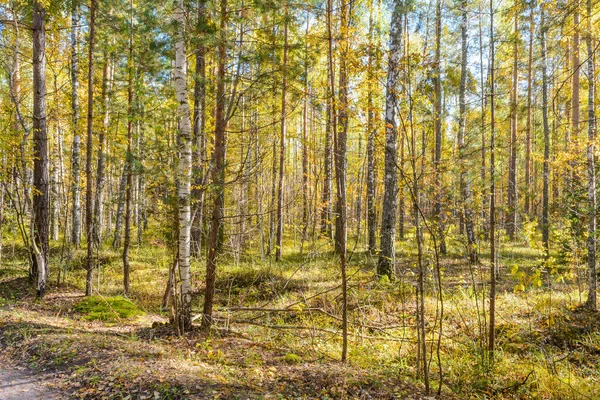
(185, 165)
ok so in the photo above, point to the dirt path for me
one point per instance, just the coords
(19, 385)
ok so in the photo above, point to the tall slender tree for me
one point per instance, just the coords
(218, 172)
(387, 251)
(591, 163)
(511, 218)
(41, 201)
(464, 183)
(76, 157)
(437, 121)
(282, 140)
(89, 195)
(184, 140)
(545, 221)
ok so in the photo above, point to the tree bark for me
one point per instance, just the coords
(41, 206)
(100, 169)
(199, 135)
(129, 160)
(75, 161)
(218, 173)
(387, 251)
(185, 169)
(281, 181)
(591, 164)
(465, 187)
(437, 116)
(545, 222)
(341, 168)
(528, 130)
(492, 312)
(511, 220)
(89, 195)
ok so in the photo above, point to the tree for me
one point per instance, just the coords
(184, 139)
(75, 161)
(282, 139)
(89, 196)
(371, 132)
(437, 121)
(41, 201)
(464, 184)
(387, 251)
(591, 163)
(128, 157)
(218, 172)
(545, 221)
(511, 218)
(492, 329)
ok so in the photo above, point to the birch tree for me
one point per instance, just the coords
(184, 173)
(387, 251)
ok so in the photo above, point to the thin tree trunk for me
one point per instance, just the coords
(341, 168)
(89, 196)
(305, 172)
(75, 162)
(387, 251)
(511, 221)
(437, 116)
(41, 206)
(120, 206)
(326, 195)
(545, 222)
(332, 116)
(371, 132)
(464, 183)
(591, 164)
(281, 181)
(492, 330)
(100, 170)
(199, 136)
(340, 136)
(128, 160)
(185, 169)
(218, 173)
(527, 209)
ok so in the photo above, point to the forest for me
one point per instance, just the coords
(298, 199)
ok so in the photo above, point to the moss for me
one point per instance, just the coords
(291, 358)
(107, 308)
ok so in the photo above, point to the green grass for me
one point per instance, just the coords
(109, 309)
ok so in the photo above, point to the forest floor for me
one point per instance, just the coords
(277, 331)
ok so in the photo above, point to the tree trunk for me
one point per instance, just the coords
(89, 199)
(100, 170)
(305, 172)
(342, 131)
(280, 184)
(511, 220)
(185, 169)
(75, 162)
(341, 168)
(41, 206)
(218, 173)
(128, 161)
(387, 252)
(527, 209)
(492, 329)
(326, 195)
(465, 187)
(371, 132)
(199, 136)
(437, 116)
(591, 164)
(545, 222)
